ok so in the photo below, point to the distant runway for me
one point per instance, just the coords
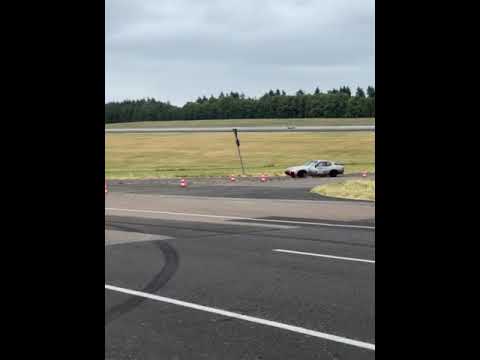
(246, 129)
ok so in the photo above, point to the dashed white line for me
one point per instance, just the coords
(348, 226)
(324, 256)
(296, 329)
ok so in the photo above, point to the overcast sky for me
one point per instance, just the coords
(177, 50)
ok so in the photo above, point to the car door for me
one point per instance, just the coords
(319, 168)
(327, 166)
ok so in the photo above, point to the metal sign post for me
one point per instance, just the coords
(235, 132)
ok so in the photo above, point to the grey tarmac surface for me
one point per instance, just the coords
(231, 265)
(250, 188)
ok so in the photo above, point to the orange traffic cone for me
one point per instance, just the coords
(263, 178)
(364, 173)
(106, 189)
(183, 183)
(232, 178)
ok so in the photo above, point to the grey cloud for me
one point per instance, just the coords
(177, 50)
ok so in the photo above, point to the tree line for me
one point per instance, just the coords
(336, 103)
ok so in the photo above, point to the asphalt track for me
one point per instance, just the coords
(246, 129)
(183, 266)
(280, 188)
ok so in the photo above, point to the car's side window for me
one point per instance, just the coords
(327, 163)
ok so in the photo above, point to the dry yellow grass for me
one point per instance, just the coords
(350, 189)
(156, 155)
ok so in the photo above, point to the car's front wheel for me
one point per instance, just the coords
(302, 174)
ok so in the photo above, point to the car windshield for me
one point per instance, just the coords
(309, 162)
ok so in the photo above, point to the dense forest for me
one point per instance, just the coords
(336, 103)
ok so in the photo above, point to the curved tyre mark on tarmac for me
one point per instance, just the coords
(167, 272)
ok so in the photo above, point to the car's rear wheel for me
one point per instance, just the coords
(302, 174)
(333, 173)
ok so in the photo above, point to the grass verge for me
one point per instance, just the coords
(350, 189)
(161, 155)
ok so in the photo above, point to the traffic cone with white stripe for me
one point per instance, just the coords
(232, 178)
(183, 183)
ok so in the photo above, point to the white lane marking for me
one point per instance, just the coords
(113, 237)
(348, 226)
(344, 202)
(325, 256)
(270, 226)
(252, 319)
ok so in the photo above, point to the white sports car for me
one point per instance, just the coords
(316, 168)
